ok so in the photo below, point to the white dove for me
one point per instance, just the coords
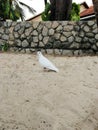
(46, 63)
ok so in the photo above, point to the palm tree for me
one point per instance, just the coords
(95, 3)
(13, 9)
(60, 9)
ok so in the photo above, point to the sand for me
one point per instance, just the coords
(34, 99)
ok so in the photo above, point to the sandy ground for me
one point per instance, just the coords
(33, 99)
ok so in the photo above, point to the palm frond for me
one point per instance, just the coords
(29, 8)
(20, 12)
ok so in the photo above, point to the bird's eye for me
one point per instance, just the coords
(38, 53)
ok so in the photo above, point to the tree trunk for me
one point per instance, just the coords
(95, 3)
(60, 9)
(45, 1)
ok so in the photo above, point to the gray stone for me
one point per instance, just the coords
(63, 23)
(40, 37)
(87, 52)
(23, 36)
(43, 51)
(28, 51)
(33, 44)
(7, 31)
(17, 27)
(50, 51)
(94, 26)
(63, 38)
(11, 49)
(74, 33)
(78, 39)
(61, 45)
(48, 45)
(39, 28)
(89, 35)
(0, 36)
(92, 40)
(11, 29)
(45, 40)
(21, 30)
(80, 23)
(95, 30)
(65, 45)
(27, 25)
(11, 37)
(75, 45)
(9, 24)
(96, 36)
(77, 28)
(55, 24)
(76, 53)
(97, 53)
(59, 28)
(2, 42)
(18, 43)
(94, 48)
(15, 49)
(90, 23)
(67, 52)
(81, 34)
(2, 30)
(68, 28)
(57, 36)
(35, 39)
(80, 53)
(70, 39)
(57, 44)
(52, 39)
(16, 35)
(5, 24)
(67, 34)
(86, 28)
(14, 24)
(44, 31)
(33, 50)
(22, 24)
(51, 32)
(11, 43)
(25, 43)
(30, 39)
(41, 44)
(97, 44)
(35, 24)
(35, 33)
(48, 24)
(85, 39)
(71, 23)
(5, 37)
(23, 51)
(85, 46)
(57, 52)
(19, 49)
(28, 31)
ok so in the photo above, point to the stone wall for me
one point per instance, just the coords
(63, 38)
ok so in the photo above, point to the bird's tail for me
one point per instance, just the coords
(56, 69)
